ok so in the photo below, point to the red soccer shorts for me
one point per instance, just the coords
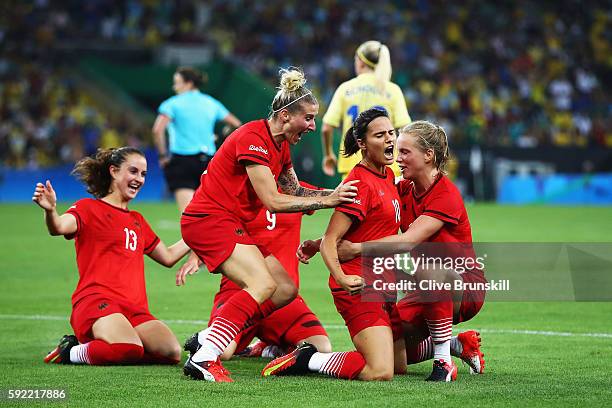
(360, 314)
(89, 309)
(213, 237)
(285, 327)
(410, 307)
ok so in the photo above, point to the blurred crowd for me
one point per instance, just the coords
(47, 117)
(508, 73)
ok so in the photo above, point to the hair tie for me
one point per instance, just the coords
(295, 100)
(365, 60)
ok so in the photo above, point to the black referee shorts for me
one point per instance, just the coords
(184, 171)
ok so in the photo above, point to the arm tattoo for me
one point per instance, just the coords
(306, 192)
(306, 207)
(288, 182)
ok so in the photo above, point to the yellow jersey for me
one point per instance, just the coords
(357, 95)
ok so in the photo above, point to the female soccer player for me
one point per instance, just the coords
(286, 327)
(190, 117)
(110, 313)
(433, 212)
(240, 180)
(370, 88)
(370, 315)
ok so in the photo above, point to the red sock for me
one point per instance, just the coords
(420, 352)
(266, 308)
(230, 320)
(347, 364)
(154, 358)
(99, 352)
(439, 318)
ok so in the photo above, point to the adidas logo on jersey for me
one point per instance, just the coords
(258, 149)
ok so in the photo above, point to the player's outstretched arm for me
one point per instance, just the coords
(44, 195)
(419, 231)
(168, 256)
(338, 226)
(265, 186)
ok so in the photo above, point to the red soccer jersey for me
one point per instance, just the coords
(442, 201)
(110, 243)
(375, 211)
(280, 234)
(226, 187)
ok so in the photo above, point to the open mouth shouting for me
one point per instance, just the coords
(389, 152)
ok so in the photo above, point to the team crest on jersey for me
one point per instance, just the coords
(239, 232)
(258, 149)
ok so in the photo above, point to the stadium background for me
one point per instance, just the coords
(522, 88)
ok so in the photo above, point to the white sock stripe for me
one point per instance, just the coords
(227, 326)
(440, 331)
(84, 354)
(215, 342)
(438, 325)
(221, 334)
(329, 363)
(338, 365)
(217, 338)
(332, 365)
(344, 357)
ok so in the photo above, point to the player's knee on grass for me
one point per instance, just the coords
(378, 373)
(169, 349)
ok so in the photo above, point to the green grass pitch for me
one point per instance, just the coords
(38, 275)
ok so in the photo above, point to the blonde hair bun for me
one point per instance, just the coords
(291, 80)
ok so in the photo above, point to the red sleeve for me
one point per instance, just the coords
(80, 211)
(445, 206)
(150, 238)
(360, 207)
(403, 187)
(253, 147)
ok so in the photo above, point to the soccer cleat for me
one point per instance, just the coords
(294, 363)
(192, 344)
(471, 354)
(61, 354)
(212, 371)
(443, 371)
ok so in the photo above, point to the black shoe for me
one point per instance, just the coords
(294, 363)
(192, 344)
(61, 354)
(443, 371)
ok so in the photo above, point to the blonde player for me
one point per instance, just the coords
(370, 88)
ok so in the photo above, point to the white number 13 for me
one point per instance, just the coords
(131, 239)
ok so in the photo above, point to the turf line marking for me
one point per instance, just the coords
(331, 326)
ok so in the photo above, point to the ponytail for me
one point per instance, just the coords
(376, 55)
(359, 130)
(94, 171)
